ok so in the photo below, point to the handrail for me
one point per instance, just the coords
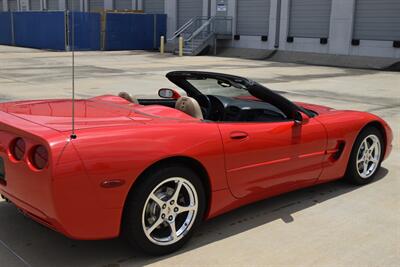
(185, 27)
(181, 29)
(200, 29)
(203, 28)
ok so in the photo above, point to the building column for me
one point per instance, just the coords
(62, 4)
(23, 5)
(5, 5)
(140, 4)
(284, 24)
(109, 4)
(171, 9)
(273, 28)
(341, 26)
(205, 8)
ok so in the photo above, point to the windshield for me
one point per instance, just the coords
(211, 86)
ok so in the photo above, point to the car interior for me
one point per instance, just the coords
(221, 98)
(217, 108)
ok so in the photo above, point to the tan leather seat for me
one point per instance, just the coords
(190, 106)
(128, 97)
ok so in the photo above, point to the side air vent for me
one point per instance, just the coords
(338, 153)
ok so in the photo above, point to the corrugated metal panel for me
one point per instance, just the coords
(12, 5)
(96, 5)
(310, 18)
(122, 4)
(53, 5)
(377, 20)
(154, 6)
(35, 5)
(253, 17)
(188, 9)
(73, 5)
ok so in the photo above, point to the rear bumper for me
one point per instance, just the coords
(30, 211)
(61, 198)
(91, 224)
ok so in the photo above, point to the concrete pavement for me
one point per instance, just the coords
(329, 225)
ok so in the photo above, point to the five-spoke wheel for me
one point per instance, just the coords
(170, 211)
(366, 156)
(164, 208)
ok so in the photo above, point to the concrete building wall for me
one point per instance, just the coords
(340, 29)
(340, 35)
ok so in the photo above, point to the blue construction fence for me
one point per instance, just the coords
(91, 31)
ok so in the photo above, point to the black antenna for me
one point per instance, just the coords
(73, 135)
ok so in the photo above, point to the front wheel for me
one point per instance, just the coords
(366, 157)
(162, 213)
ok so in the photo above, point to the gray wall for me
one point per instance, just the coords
(252, 17)
(154, 6)
(375, 22)
(310, 18)
(340, 31)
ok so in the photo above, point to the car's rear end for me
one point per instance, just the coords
(26, 161)
(42, 174)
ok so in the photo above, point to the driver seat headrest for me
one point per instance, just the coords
(189, 106)
(128, 97)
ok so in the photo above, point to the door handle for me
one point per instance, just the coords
(239, 135)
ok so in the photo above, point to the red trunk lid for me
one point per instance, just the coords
(105, 111)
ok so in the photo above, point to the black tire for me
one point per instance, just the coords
(352, 174)
(132, 225)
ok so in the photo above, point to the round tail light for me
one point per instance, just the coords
(39, 157)
(17, 149)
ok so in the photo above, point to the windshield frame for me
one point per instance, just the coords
(182, 80)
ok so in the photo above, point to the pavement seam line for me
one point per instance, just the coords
(15, 254)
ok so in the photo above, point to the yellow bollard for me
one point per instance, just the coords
(162, 45)
(181, 46)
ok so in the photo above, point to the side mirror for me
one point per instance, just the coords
(168, 93)
(300, 118)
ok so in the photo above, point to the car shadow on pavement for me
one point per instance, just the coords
(39, 246)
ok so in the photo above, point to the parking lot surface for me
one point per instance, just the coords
(334, 224)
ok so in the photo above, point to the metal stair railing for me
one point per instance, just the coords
(188, 28)
(207, 32)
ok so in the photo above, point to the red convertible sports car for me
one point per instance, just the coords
(154, 169)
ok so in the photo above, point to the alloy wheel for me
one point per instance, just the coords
(170, 211)
(368, 156)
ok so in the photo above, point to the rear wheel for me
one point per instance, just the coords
(164, 210)
(366, 157)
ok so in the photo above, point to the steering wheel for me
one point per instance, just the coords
(205, 105)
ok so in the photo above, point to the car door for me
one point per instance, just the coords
(272, 157)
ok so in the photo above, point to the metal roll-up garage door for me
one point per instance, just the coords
(253, 17)
(12, 5)
(122, 4)
(73, 5)
(377, 20)
(310, 18)
(188, 9)
(96, 5)
(154, 6)
(53, 5)
(35, 5)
